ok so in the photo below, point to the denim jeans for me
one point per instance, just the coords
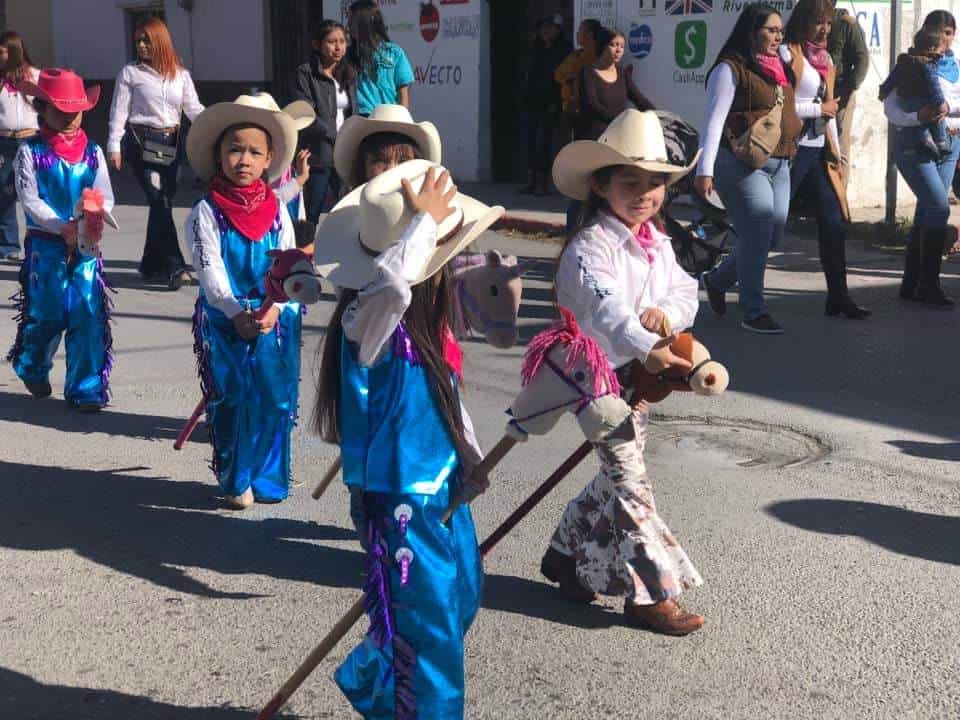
(757, 202)
(928, 180)
(321, 192)
(936, 130)
(161, 251)
(831, 234)
(9, 227)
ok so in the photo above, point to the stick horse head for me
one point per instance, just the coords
(486, 296)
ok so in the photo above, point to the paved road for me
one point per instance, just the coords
(819, 498)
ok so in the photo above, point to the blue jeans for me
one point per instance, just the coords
(936, 130)
(929, 181)
(321, 192)
(9, 227)
(757, 202)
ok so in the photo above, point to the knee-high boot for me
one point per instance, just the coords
(929, 291)
(833, 259)
(911, 264)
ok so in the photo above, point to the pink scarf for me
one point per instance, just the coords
(646, 240)
(452, 354)
(10, 86)
(772, 67)
(66, 148)
(817, 55)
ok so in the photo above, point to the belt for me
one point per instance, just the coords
(160, 131)
(18, 134)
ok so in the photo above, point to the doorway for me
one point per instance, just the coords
(292, 24)
(512, 29)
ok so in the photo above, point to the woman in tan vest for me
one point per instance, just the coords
(818, 161)
(746, 82)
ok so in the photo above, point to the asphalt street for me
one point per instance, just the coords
(819, 498)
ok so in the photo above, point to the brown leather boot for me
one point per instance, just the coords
(562, 569)
(663, 617)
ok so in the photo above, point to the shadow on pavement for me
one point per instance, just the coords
(151, 527)
(521, 596)
(931, 451)
(23, 698)
(906, 532)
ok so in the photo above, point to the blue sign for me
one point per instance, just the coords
(640, 41)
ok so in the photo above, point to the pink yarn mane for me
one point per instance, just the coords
(567, 332)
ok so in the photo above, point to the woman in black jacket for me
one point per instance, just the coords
(329, 84)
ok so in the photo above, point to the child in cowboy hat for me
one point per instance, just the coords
(62, 290)
(249, 365)
(619, 277)
(368, 146)
(389, 396)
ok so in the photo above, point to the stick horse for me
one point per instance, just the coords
(564, 371)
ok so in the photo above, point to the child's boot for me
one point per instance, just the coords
(39, 390)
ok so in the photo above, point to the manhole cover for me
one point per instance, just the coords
(735, 442)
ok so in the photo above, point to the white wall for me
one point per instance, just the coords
(221, 40)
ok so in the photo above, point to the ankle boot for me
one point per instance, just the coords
(928, 290)
(562, 569)
(663, 617)
(911, 264)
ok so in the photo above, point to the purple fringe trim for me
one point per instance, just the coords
(90, 157)
(205, 373)
(404, 347)
(21, 303)
(107, 301)
(376, 590)
(404, 667)
(43, 156)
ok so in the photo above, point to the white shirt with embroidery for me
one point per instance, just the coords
(143, 96)
(40, 215)
(202, 235)
(606, 280)
(370, 320)
(16, 110)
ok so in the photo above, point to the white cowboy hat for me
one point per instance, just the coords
(632, 138)
(256, 109)
(384, 118)
(374, 216)
(301, 111)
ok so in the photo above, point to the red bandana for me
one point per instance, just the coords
(251, 209)
(772, 67)
(66, 148)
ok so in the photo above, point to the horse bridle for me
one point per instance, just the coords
(470, 302)
(581, 401)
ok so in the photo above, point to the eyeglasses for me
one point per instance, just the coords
(773, 31)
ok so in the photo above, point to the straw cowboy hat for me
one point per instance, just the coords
(63, 89)
(301, 111)
(374, 216)
(633, 138)
(384, 118)
(255, 109)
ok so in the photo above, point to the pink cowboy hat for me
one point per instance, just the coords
(63, 89)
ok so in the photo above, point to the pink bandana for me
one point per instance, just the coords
(817, 55)
(10, 86)
(646, 240)
(772, 67)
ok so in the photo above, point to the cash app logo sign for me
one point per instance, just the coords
(690, 44)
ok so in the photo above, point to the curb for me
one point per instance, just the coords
(527, 225)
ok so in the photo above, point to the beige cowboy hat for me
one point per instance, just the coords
(374, 216)
(384, 118)
(301, 111)
(256, 109)
(633, 138)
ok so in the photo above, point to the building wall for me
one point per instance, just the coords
(32, 19)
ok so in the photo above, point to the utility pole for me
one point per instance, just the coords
(895, 22)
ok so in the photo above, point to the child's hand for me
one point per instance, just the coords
(70, 233)
(302, 167)
(661, 357)
(269, 320)
(246, 325)
(653, 319)
(431, 200)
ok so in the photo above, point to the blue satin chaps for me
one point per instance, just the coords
(252, 390)
(60, 294)
(410, 664)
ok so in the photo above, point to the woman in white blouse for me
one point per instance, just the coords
(150, 97)
(18, 122)
(818, 162)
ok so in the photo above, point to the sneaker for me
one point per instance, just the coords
(716, 298)
(39, 390)
(764, 324)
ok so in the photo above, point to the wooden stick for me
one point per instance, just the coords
(328, 478)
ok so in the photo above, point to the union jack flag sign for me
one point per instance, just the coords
(687, 7)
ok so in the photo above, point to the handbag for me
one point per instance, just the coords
(756, 144)
(157, 153)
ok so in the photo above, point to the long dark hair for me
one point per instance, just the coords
(426, 318)
(18, 61)
(368, 32)
(592, 27)
(344, 73)
(805, 15)
(742, 43)
(939, 19)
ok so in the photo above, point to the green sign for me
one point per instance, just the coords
(690, 44)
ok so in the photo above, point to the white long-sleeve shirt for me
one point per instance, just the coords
(370, 320)
(39, 214)
(203, 237)
(808, 86)
(16, 111)
(721, 88)
(951, 93)
(606, 280)
(144, 97)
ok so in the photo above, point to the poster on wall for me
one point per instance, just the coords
(442, 39)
